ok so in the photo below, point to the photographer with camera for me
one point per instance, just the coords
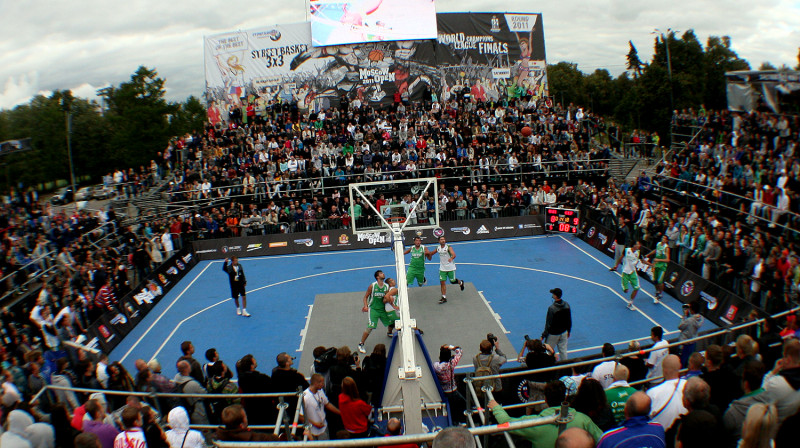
(449, 356)
(488, 362)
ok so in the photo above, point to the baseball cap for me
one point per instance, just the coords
(556, 291)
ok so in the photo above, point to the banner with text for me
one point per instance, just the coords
(343, 239)
(113, 326)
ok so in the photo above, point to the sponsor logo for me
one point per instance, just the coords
(687, 288)
(187, 258)
(326, 241)
(255, 246)
(206, 251)
(107, 335)
(522, 391)
(119, 319)
(613, 247)
(163, 279)
(711, 300)
(438, 232)
(495, 25)
(530, 226)
(603, 238)
(590, 233)
(231, 248)
(373, 238)
(132, 312)
(305, 241)
(344, 240)
(462, 230)
(172, 271)
(731, 313)
(180, 265)
(274, 35)
(670, 283)
(279, 244)
(483, 229)
(224, 249)
(496, 228)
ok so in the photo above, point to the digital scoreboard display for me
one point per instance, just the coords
(564, 220)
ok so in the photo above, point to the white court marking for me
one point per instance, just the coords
(135, 344)
(661, 302)
(172, 333)
(495, 315)
(304, 331)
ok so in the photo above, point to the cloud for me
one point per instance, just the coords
(50, 45)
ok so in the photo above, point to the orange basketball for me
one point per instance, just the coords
(526, 131)
(375, 55)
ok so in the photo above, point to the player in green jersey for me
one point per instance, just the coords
(416, 268)
(373, 303)
(660, 263)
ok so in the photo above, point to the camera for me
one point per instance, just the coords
(491, 338)
(527, 338)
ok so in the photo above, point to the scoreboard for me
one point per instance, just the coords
(563, 220)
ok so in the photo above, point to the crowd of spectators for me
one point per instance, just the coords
(287, 170)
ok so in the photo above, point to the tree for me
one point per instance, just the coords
(719, 59)
(566, 83)
(137, 113)
(187, 117)
(767, 66)
(634, 63)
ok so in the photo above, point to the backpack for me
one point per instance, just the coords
(186, 402)
(482, 371)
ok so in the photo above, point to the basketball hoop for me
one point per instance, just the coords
(396, 220)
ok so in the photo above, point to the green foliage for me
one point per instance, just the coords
(640, 97)
(134, 126)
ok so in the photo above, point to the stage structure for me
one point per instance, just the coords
(411, 382)
(481, 56)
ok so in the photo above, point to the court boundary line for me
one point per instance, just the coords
(146, 332)
(304, 331)
(636, 308)
(496, 316)
(660, 302)
(195, 314)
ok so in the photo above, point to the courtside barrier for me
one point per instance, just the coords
(343, 239)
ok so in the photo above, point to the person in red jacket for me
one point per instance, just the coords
(355, 411)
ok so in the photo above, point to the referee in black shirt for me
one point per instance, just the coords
(238, 282)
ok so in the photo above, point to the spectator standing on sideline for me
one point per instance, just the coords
(133, 436)
(189, 385)
(690, 324)
(105, 432)
(234, 427)
(604, 372)
(251, 381)
(187, 348)
(667, 397)
(636, 430)
(449, 356)
(618, 393)
(394, 427)
(558, 324)
(315, 403)
(752, 377)
(180, 436)
(545, 436)
(238, 283)
(783, 382)
(492, 357)
(656, 357)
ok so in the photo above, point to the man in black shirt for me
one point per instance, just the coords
(558, 325)
(238, 282)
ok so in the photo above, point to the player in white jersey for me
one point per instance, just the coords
(630, 259)
(447, 266)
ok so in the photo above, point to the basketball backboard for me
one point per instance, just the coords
(410, 204)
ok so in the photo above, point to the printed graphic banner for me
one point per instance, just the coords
(486, 56)
(112, 326)
(343, 239)
(491, 56)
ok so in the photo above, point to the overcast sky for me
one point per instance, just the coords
(84, 45)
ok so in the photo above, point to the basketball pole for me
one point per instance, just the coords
(409, 372)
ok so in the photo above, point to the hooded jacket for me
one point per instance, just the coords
(16, 437)
(41, 435)
(559, 319)
(784, 389)
(180, 435)
(689, 326)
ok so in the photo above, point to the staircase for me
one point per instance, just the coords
(620, 168)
